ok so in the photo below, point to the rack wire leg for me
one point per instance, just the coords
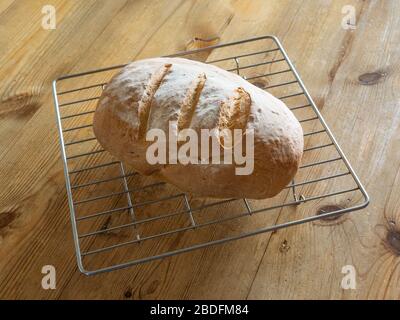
(129, 200)
(297, 199)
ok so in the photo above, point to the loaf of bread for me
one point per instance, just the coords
(178, 96)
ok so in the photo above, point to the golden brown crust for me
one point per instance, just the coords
(147, 98)
(234, 114)
(190, 102)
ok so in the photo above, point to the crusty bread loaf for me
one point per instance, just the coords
(154, 93)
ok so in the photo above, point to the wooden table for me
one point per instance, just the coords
(363, 113)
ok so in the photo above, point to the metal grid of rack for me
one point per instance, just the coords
(120, 218)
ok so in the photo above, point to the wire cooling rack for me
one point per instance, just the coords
(120, 218)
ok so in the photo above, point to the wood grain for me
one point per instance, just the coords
(299, 262)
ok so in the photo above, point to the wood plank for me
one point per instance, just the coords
(366, 124)
(200, 277)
